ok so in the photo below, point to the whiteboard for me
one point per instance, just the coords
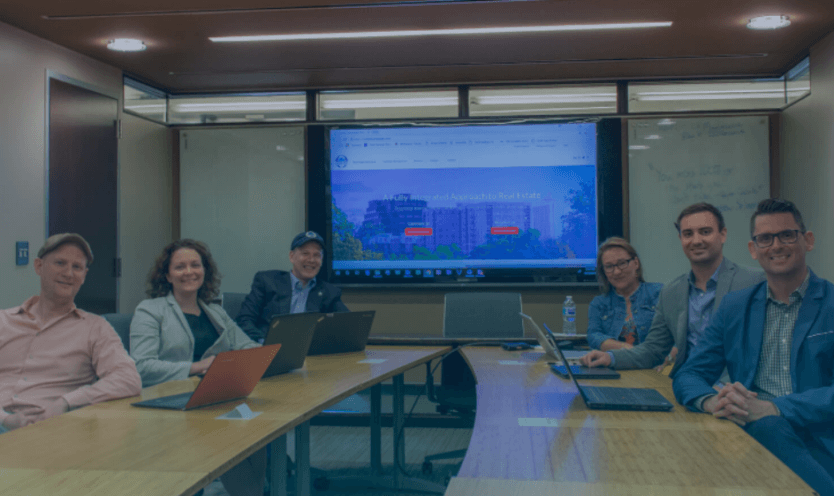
(673, 163)
(242, 191)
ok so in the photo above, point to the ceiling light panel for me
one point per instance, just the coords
(437, 32)
(564, 99)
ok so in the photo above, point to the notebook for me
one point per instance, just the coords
(342, 332)
(294, 332)
(618, 398)
(548, 343)
(232, 375)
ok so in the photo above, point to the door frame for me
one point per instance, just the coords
(56, 76)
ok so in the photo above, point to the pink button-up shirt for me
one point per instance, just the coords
(78, 357)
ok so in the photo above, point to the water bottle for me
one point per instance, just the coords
(569, 316)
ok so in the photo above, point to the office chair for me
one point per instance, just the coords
(469, 315)
(121, 323)
(231, 303)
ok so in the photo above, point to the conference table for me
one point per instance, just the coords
(114, 448)
(533, 435)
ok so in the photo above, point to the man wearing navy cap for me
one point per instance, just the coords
(277, 292)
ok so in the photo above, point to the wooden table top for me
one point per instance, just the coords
(114, 448)
(533, 434)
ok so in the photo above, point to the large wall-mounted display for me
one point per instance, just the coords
(463, 203)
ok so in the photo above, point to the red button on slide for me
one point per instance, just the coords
(418, 231)
(503, 230)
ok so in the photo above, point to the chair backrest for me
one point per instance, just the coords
(231, 303)
(121, 323)
(482, 315)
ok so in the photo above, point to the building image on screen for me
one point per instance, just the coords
(462, 200)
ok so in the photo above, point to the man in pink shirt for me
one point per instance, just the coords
(54, 356)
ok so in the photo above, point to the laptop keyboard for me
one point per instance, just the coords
(175, 401)
(620, 396)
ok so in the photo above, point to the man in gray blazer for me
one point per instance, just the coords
(687, 303)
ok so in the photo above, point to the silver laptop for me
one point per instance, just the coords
(618, 398)
(548, 342)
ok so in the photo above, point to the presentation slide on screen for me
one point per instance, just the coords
(463, 197)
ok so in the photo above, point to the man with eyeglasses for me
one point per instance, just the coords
(277, 292)
(687, 302)
(776, 340)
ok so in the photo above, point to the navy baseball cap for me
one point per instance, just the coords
(305, 237)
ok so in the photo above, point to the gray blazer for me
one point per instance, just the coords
(671, 319)
(161, 342)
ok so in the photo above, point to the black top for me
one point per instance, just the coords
(204, 333)
(272, 295)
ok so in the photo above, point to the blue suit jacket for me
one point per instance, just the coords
(734, 338)
(272, 295)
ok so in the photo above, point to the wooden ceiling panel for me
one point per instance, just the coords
(708, 38)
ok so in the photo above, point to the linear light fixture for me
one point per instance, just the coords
(186, 108)
(390, 103)
(779, 94)
(540, 99)
(552, 109)
(439, 32)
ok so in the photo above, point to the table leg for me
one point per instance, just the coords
(278, 467)
(302, 459)
(376, 429)
(399, 435)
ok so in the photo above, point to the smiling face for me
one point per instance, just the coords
(62, 273)
(185, 272)
(701, 240)
(780, 259)
(624, 281)
(306, 261)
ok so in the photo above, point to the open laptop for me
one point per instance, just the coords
(618, 398)
(294, 332)
(548, 343)
(232, 375)
(342, 332)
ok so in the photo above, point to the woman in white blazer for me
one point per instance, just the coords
(178, 332)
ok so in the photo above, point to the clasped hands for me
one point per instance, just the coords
(736, 403)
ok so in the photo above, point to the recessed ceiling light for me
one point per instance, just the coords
(126, 45)
(769, 22)
(440, 32)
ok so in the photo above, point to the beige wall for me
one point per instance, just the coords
(421, 312)
(145, 203)
(808, 156)
(145, 166)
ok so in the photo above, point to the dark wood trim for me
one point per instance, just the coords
(175, 185)
(624, 159)
(775, 123)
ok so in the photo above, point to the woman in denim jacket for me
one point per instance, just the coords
(621, 316)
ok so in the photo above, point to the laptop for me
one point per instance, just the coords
(618, 398)
(232, 375)
(342, 332)
(548, 343)
(580, 371)
(294, 332)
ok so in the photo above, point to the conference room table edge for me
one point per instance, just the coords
(467, 484)
(283, 426)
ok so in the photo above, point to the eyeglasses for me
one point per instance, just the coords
(622, 264)
(786, 237)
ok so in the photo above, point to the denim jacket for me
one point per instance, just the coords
(607, 313)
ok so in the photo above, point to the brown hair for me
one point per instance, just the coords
(698, 208)
(158, 285)
(609, 243)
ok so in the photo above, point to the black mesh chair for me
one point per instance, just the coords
(231, 303)
(492, 316)
(121, 323)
